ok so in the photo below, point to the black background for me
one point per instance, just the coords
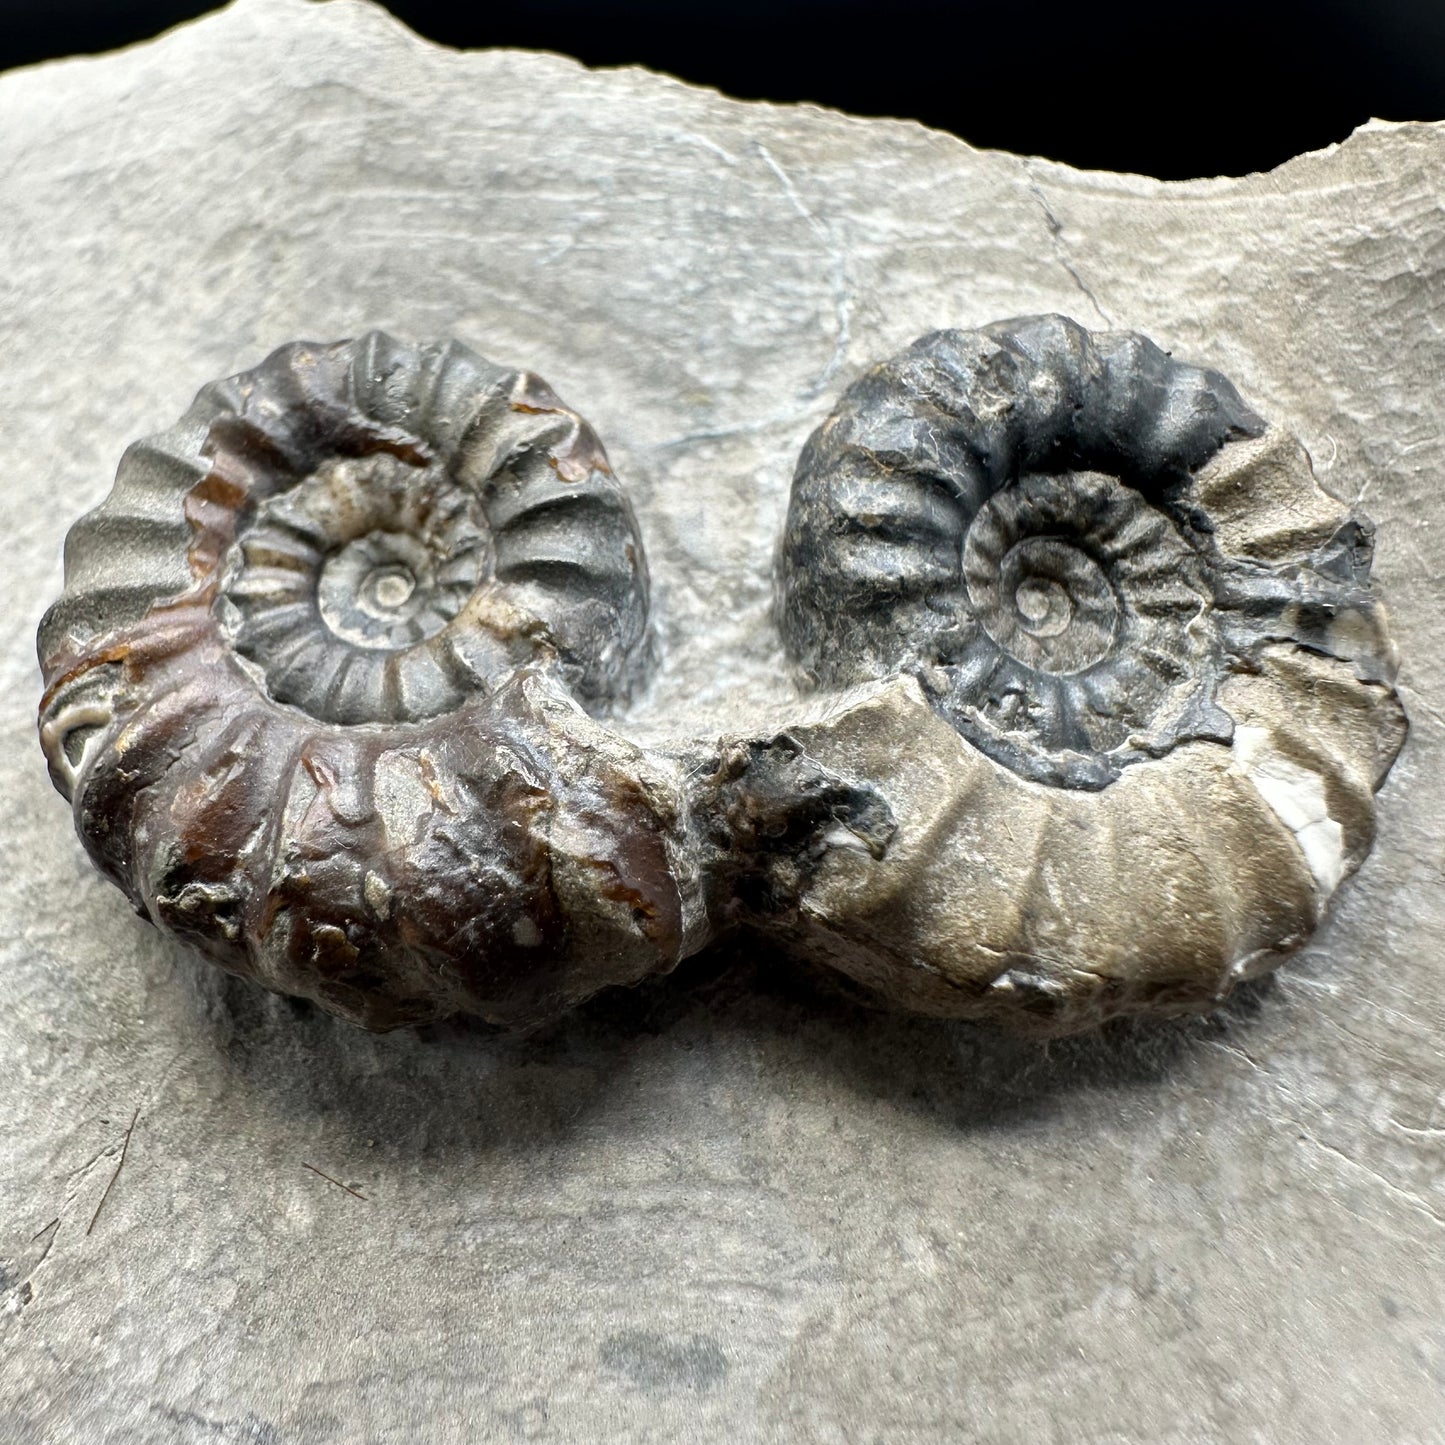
(1173, 88)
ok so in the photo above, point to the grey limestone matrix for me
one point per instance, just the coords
(1093, 692)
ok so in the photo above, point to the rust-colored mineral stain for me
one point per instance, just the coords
(582, 455)
(331, 950)
(533, 394)
(211, 507)
(74, 665)
(230, 493)
(637, 870)
(393, 442)
(638, 874)
(426, 766)
(319, 771)
(490, 609)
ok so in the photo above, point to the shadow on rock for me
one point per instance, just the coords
(465, 1086)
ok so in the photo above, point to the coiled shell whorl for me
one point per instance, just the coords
(385, 530)
(314, 685)
(1009, 515)
(1156, 644)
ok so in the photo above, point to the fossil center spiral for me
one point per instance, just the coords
(1047, 602)
(388, 587)
(1043, 607)
(337, 584)
(381, 590)
(1084, 592)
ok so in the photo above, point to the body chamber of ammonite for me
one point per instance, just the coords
(1094, 695)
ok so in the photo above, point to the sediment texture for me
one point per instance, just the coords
(717, 1207)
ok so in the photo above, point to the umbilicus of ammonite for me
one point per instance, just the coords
(1094, 692)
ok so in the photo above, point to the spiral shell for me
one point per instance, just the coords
(1105, 575)
(313, 688)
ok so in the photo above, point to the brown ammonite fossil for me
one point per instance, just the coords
(1094, 691)
(316, 688)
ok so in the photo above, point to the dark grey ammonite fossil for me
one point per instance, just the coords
(1159, 678)
(1100, 691)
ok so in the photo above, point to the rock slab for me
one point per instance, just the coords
(727, 1207)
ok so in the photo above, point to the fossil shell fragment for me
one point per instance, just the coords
(1121, 677)
(314, 684)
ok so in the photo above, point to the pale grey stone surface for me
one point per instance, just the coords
(726, 1208)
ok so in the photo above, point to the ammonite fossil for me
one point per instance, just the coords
(1137, 693)
(316, 683)
(1094, 691)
